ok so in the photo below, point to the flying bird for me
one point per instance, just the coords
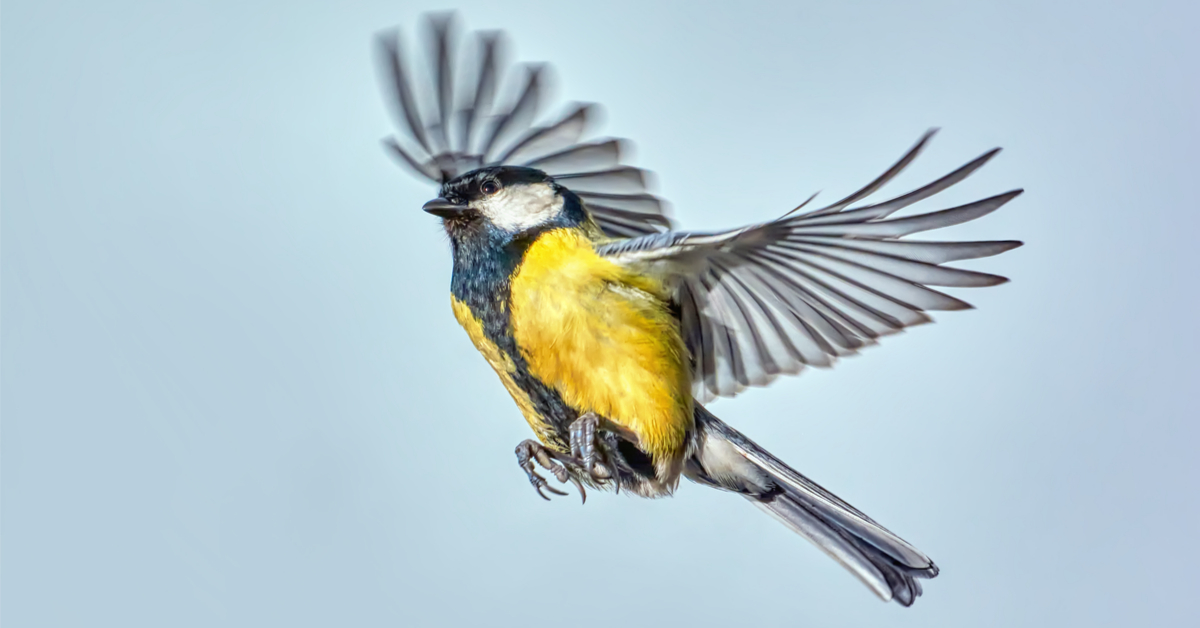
(611, 329)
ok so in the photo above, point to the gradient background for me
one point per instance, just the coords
(233, 392)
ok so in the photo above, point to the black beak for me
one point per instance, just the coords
(443, 208)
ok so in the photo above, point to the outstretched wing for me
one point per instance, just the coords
(450, 123)
(768, 299)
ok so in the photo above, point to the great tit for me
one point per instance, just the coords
(611, 331)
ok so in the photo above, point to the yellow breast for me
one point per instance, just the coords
(504, 367)
(602, 337)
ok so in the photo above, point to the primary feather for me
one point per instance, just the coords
(493, 135)
(766, 300)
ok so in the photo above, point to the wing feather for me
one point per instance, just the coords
(770, 299)
(398, 81)
(479, 104)
(580, 158)
(463, 128)
(521, 114)
(440, 25)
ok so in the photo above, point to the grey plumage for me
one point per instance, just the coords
(490, 135)
(727, 460)
(769, 299)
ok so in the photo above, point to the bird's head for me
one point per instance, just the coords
(509, 199)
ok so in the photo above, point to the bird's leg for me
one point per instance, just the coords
(584, 449)
(529, 451)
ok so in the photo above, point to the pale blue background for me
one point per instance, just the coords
(233, 393)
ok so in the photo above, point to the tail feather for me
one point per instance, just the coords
(726, 459)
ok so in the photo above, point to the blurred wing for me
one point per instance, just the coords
(463, 128)
(808, 288)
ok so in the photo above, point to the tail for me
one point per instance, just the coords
(727, 460)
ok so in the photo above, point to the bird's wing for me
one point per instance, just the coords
(810, 287)
(450, 123)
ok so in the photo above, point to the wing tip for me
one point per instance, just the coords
(439, 18)
(387, 34)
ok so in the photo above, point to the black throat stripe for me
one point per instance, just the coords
(484, 263)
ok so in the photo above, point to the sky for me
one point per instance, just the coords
(233, 392)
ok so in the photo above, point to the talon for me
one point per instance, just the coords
(616, 480)
(529, 452)
(560, 472)
(567, 477)
(611, 462)
(548, 488)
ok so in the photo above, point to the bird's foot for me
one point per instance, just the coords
(585, 450)
(530, 451)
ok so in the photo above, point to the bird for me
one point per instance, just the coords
(612, 330)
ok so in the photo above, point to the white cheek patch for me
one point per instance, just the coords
(522, 207)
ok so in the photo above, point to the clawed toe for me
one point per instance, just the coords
(530, 451)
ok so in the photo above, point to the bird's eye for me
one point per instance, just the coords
(489, 187)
